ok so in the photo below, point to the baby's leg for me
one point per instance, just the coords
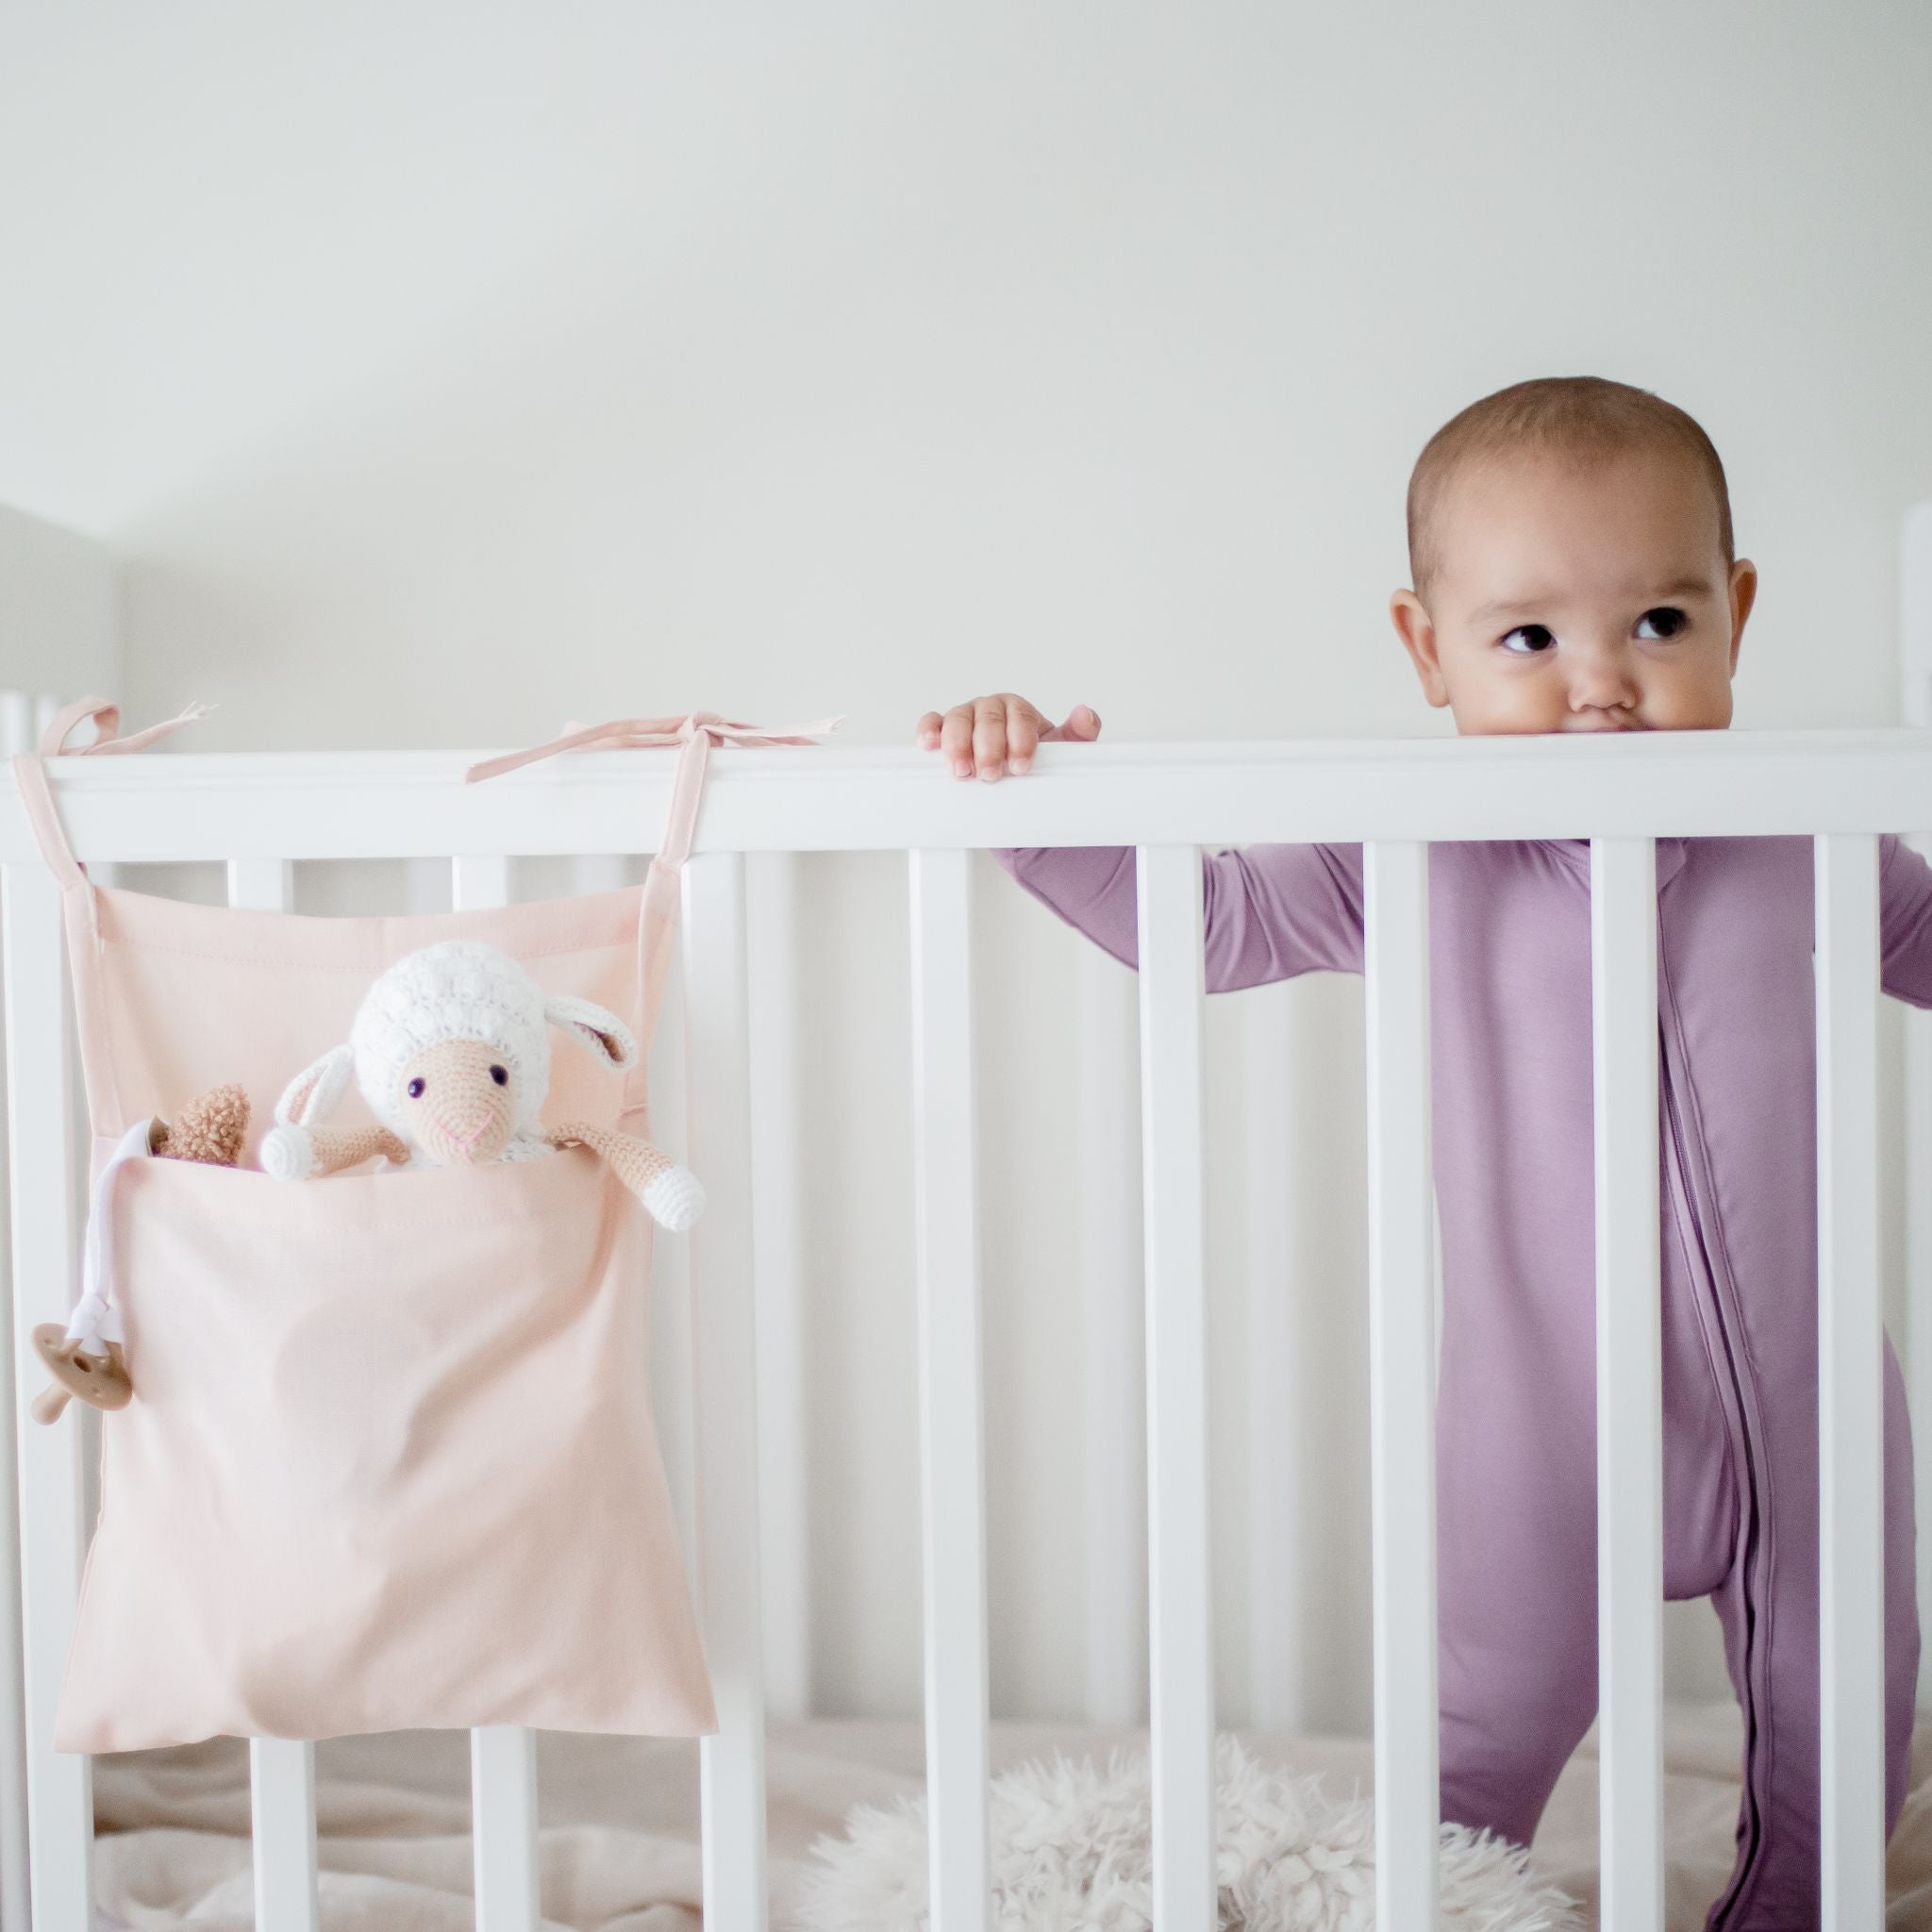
(1517, 1577)
(1768, 1604)
(1517, 1498)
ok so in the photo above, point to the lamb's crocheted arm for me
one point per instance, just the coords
(673, 1196)
(297, 1153)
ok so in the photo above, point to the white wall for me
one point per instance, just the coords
(446, 371)
(60, 609)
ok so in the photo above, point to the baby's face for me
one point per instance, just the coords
(1575, 599)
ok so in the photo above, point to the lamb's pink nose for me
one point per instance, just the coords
(467, 1141)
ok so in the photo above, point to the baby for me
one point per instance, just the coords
(1573, 569)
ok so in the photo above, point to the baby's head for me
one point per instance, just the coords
(1570, 542)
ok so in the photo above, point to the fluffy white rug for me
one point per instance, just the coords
(1070, 1854)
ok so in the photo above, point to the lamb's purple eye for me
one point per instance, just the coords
(416, 1089)
(500, 1075)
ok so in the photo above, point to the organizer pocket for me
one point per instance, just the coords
(390, 1464)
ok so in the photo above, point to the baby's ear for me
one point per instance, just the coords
(595, 1028)
(313, 1095)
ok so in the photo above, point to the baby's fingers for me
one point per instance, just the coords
(1082, 726)
(956, 741)
(990, 736)
(1022, 733)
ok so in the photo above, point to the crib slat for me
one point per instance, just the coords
(1915, 691)
(281, 1770)
(1851, 1410)
(52, 1539)
(946, 1205)
(503, 1758)
(1402, 1368)
(1114, 1481)
(778, 1270)
(282, 1781)
(1629, 1371)
(1917, 1208)
(479, 880)
(1277, 1545)
(503, 1824)
(16, 735)
(1180, 1610)
(268, 885)
(724, 1326)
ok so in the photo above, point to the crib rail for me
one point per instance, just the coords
(261, 814)
(390, 805)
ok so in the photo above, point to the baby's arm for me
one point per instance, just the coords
(1270, 913)
(1905, 920)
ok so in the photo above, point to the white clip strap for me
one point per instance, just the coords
(97, 1316)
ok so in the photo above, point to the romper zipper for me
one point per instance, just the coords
(1753, 1536)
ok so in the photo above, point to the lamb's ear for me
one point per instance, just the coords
(313, 1095)
(595, 1028)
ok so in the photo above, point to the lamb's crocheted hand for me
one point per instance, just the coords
(451, 1050)
(673, 1196)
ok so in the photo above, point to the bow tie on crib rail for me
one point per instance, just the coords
(106, 714)
(696, 728)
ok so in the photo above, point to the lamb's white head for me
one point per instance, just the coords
(451, 1049)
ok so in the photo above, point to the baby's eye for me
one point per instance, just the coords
(500, 1075)
(1664, 622)
(416, 1087)
(1526, 639)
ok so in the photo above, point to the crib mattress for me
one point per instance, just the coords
(619, 1822)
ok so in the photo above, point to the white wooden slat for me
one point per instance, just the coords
(1402, 1370)
(503, 1825)
(479, 881)
(1629, 1370)
(1851, 1408)
(952, 1459)
(281, 1770)
(60, 1787)
(1180, 1608)
(778, 1123)
(1917, 1208)
(1915, 682)
(1113, 1361)
(282, 1811)
(16, 735)
(731, 1774)
(267, 885)
(1278, 1641)
(503, 1758)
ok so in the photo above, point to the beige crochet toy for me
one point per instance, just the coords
(210, 1129)
(451, 1050)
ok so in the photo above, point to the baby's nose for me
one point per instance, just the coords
(1601, 678)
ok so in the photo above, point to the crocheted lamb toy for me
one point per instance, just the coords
(451, 1049)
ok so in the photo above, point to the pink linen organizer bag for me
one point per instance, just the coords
(390, 1461)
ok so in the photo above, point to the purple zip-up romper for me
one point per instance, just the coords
(1516, 1485)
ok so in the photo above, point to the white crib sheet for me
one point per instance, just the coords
(619, 1822)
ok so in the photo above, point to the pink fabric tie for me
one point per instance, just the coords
(696, 732)
(106, 716)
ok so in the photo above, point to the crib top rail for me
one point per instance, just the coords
(385, 805)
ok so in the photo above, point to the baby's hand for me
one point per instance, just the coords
(996, 735)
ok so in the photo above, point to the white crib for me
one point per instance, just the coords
(262, 815)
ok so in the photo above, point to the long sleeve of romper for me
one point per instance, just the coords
(1270, 911)
(1905, 922)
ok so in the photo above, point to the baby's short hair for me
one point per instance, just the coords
(1583, 418)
